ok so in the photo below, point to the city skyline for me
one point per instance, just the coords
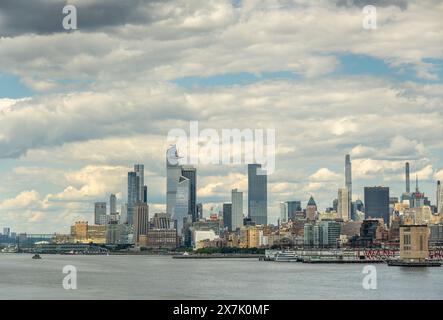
(113, 200)
(78, 108)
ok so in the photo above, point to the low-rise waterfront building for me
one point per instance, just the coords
(414, 243)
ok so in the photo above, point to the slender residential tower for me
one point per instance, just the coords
(408, 179)
(348, 183)
(439, 197)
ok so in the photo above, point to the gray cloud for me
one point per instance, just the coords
(46, 16)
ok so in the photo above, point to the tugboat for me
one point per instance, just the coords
(36, 256)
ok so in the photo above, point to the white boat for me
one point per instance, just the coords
(286, 256)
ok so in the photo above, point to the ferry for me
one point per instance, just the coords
(286, 256)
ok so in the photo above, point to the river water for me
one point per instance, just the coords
(161, 277)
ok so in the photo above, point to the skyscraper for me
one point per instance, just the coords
(99, 210)
(145, 194)
(139, 170)
(377, 203)
(173, 173)
(181, 208)
(237, 209)
(141, 220)
(283, 212)
(227, 216)
(112, 204)
(293, 207)
(191, 173)
(257, 194)
(311, 209)
(408, 180)
(348, 182)
(178, 189)
(439, 197)
(407, 195)
(343, 208)
(133, 194)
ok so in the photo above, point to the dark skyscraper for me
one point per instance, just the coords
(227, 216)
(191, 173)
(408, 180)
(257, 194)
(293, 208)
(377, 203)
(145, 194)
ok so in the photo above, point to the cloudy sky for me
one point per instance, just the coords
(78, 108)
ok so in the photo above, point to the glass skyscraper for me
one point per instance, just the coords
(227, 216)
(133, 195)
(257, 194)
(191, 173)
(179, 189)
(377, 203)
(139, 170)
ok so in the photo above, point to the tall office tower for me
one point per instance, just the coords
(139, 170)
(112, 204)
(141, 221)
(283, 212)
(99, 210)
(408, 179)
(348, 181)
(200, 211)
(173, 174)
(439, 197)
(178, 190)
(133, 195)
(227, 216)
(257, 194)
(293, 207)
(311, 209)
(191, 173)
(181, 208)
(145, 194)
(343, 208)
(237, 209)
(377, 203)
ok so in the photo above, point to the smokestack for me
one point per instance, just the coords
(408, 181)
